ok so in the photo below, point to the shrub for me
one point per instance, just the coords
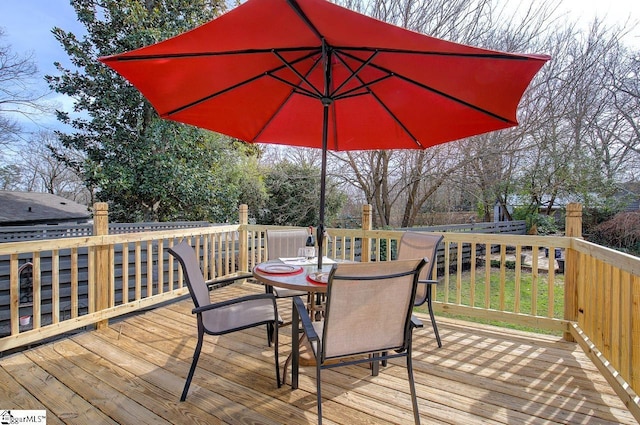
(546, 224)
(621, 232)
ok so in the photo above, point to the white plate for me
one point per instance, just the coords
(279, 268)
(320, 277)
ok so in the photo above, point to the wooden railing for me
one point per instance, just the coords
(594, 300)
(105, 276)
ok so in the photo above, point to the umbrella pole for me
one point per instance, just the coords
(323, 184)
(326, 102)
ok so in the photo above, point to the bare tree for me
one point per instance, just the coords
(401, 184)
(624, 74)
(17, 95)
(581, 143)
(41, 171)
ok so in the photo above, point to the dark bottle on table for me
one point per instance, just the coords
(310, 245)
(311, 240)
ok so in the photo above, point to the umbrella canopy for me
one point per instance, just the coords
(310, 73)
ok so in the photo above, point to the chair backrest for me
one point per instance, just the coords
(192, 273)
(369, 307)
(415, 245)
(285, 243)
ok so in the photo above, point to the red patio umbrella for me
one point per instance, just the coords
(311, 73)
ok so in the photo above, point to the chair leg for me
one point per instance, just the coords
(270, 328)
(194, 362)
(375, 364)
(433, 317)
(269, 290)
(412, 387)
(275, 349)
(318, 386)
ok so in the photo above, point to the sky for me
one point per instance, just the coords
(27, 25)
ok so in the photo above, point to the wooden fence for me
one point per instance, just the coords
(29, 233)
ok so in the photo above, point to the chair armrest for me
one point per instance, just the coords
(415, 322)
(234, 301)
(428, 282)
(223, 281)
(301, 310)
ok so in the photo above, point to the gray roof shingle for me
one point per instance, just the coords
(34, 207)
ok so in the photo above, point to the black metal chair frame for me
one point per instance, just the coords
(301, 318)
(202, 329)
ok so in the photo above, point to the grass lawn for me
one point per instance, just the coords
(523, 297)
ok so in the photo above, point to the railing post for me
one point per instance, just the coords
(244, 238)
(573, 229)
(365, 254)
(101, 260)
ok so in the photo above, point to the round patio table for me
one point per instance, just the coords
(297, 278)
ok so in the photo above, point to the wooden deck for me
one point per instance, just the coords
(133, 373)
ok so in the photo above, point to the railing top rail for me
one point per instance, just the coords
(623, 261)
(459, 237)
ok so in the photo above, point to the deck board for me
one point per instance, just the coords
(133, 372)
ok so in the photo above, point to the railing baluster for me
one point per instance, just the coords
(138, 271)
(472, 278)
(487, 276)
(534, 280)
(55, 286)
(125, 273)
(74, 283)
(37, 291)
(14, 294)
(518, 277)
(503, 276)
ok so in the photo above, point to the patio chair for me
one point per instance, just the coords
(283, 244)
(367, 319)
(226, 316)
(414, 245)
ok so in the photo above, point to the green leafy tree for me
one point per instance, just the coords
(145, 167)
(294, 196)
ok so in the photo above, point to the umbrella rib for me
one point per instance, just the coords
(241, 83)
(202, 54)
(353, 73)
(492, 55)
(296, 89)
(431, 89)
(298, 74)
(211, 96)
(363, 86)
(397, 120)
(296, 8)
